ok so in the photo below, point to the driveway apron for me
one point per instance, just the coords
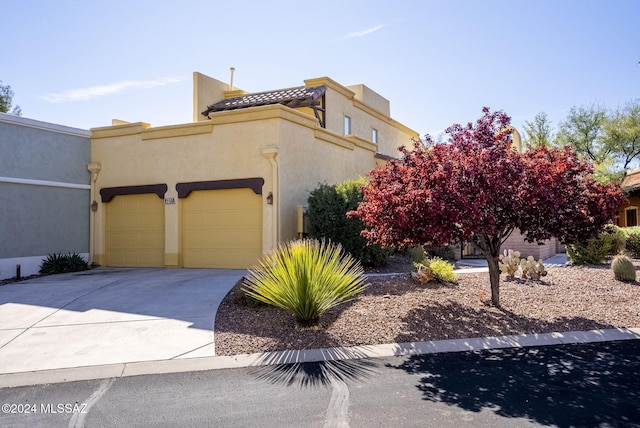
(110, 316)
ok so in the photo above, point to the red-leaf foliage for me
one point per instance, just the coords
(560, 197)
(477, 188)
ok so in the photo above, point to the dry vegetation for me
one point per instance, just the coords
(398, 309)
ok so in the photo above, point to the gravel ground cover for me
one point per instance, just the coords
(399, 309)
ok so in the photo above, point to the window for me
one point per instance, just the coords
(374, 135)
(631, 217)
(347, 125)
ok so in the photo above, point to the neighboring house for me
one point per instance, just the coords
(223, 190)
(44, 193)
(542, 251)
(516, 242)
(628, 213)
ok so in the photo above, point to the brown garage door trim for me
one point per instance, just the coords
(254, 184)
(108, 193)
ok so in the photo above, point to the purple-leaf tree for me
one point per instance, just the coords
(477, 188)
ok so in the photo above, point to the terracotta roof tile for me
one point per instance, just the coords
(632, 180)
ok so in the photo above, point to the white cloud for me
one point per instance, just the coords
(84, 94)
(363, 32)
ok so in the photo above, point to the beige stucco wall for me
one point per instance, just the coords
(341, 101)
(285, 147)
(319, 156)
(516, 242)
(206, 91)
(184, 153)
(371, 98)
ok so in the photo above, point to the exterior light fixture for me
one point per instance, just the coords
(270, 198)
(94, 206)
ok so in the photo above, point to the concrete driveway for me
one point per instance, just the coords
(109, 316)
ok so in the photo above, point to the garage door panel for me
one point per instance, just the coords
(231, 239)
(224, 218)
(222, 228)
(228, 259)
(135, 231)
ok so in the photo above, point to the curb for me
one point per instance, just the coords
(313, 355)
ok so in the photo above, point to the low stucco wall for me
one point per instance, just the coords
(517, 243)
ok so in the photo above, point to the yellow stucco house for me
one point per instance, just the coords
(628, 211)
(223, 190)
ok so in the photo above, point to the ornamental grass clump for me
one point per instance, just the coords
(305, 278)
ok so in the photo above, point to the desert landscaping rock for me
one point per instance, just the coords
(398, 309)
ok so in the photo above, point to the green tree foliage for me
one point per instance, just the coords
(538, 132)
(583, 131)
(622, 133)
(6, 101)
(327, 214)
(609, 139)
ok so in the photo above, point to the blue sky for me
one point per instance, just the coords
(83, 63)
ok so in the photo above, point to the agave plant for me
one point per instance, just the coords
(61, 263)
(305, 278)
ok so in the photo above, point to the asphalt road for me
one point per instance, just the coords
(587, 385)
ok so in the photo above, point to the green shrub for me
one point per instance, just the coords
(61, 263)
(305, 278)
(592, 252)
(441, 270)
(618, 238)
(595, 250)
(445, 253)
(630, 230)
(632, 245)
(415, 254)
(328, 206)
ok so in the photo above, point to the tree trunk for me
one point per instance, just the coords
(494, 279)
(489, 246)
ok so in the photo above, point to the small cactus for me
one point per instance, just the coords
(623, 268)
(509, 263)
(532, 269)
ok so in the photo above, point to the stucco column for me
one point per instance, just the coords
(171, 227)
(94, 168)
(272, 238)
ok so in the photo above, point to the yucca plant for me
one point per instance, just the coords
(305, 278)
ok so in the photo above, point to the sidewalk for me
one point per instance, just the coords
(312, 355)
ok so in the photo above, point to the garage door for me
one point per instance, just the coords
(135, 231)
(221, 228)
